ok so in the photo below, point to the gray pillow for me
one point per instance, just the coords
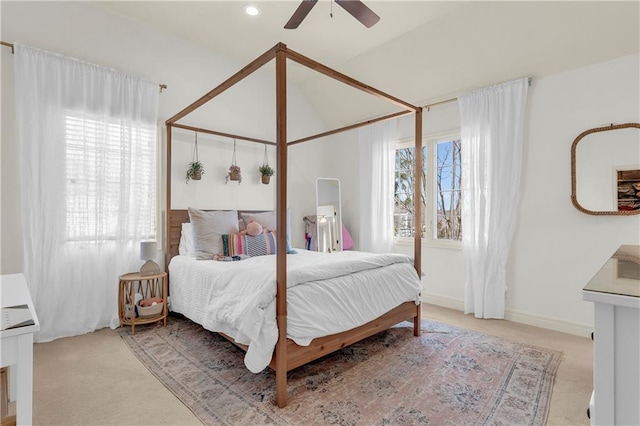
(208, 228)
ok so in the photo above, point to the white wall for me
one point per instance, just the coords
(82, 31)
(556, 249)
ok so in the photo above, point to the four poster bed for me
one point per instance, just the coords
(288, 353)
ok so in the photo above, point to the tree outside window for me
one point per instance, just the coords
(404, 205)
(443, 208)
(448, 211)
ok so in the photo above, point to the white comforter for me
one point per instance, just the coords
(326, 294)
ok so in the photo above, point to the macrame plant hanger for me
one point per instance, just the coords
(194, 157)
(265, 170)
(196, 169)
(234, 170)
(265, 160)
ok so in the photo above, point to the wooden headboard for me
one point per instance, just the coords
(176, 219)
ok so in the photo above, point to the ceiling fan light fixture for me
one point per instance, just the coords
(251, 10)
(356, 8)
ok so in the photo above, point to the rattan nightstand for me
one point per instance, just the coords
(148, 286)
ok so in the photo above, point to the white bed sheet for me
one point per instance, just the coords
(327, 294)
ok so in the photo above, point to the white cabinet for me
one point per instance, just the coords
(615, 291)
(16, 345)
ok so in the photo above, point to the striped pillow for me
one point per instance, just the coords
(260, 245)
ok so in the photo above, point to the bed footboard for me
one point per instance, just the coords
(300, 355)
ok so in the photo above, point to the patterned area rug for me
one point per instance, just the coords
(448, 376)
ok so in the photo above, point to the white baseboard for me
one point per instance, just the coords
(570, 327)
(578, 329)
(444, 301)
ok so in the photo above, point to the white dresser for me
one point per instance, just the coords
(615, 291)
(16, 346)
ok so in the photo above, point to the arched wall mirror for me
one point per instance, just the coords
(605, 170)
(329, 215)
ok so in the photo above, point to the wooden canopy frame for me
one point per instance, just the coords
(287, 354)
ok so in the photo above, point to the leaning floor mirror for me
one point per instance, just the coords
(329, 215)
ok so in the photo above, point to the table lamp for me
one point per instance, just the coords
(148, 252)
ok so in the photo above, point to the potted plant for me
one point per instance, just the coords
(234, 173)
(195, 170)
(266, 171)
(234, 170)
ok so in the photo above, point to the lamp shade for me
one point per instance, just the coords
(148, 250)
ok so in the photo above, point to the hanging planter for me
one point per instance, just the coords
(234, 170)
(266, 171)
(235, 174)
(266, 179)
(196, 169)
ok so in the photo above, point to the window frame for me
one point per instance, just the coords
(430, 142)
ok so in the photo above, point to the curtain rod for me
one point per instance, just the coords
(446, 101)
(4, 43)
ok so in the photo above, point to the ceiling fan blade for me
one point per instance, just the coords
(301, 12)
(360, 11)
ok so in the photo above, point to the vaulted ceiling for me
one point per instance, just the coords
(420, 51)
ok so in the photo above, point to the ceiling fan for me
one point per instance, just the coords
(356, 8)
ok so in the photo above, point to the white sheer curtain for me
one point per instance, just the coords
(376, 147)
(492, 132)
(87, 137)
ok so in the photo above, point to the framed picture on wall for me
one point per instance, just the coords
(628, 187)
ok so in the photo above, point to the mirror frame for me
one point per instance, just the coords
(338, 218)
(574, 146)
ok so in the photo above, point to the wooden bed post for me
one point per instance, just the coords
(417, 241)
(167, 229)
(281, 244)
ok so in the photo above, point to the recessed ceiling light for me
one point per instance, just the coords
(252, 10)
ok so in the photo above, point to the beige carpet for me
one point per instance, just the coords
(448, 375)
(95, 379)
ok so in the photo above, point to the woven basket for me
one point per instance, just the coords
(150, 311)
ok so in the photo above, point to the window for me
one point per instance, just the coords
(440, 191)
(447, 180)
(110, 179)
(403, 213)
